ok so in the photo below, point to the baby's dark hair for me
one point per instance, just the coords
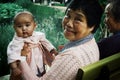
(23, 12)
(91, 9)
(115, 10)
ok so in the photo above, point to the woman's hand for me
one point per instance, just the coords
(16, 72)
(26, 49)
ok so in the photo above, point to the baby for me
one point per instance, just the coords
(24, 25)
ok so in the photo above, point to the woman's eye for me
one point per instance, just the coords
(67, 16)
(78, 19)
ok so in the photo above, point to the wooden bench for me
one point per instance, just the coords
(105, 69)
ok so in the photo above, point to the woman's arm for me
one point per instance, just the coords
(14, 68)
(64, 67)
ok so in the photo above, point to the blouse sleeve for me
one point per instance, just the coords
(64, 67)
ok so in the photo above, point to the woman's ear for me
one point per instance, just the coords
(92, 28)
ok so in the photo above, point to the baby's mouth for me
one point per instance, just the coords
(25, 33)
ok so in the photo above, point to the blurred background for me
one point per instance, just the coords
(48, 15)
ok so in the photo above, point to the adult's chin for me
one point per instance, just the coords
(69, 37)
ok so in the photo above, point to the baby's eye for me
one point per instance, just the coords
(28, 24)
(19, 26)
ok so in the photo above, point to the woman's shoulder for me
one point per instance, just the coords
(72, 51)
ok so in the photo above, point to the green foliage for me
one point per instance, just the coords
(6, 1)
(53, 31)
(7, 11)
(6, 33)
(102, 31)
(24, 3)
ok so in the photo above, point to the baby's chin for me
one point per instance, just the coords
(25, 36)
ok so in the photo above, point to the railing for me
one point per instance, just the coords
(105, 69)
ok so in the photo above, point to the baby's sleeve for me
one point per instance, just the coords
(46, 43)
(14, 52)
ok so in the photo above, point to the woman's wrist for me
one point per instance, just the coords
(13, 68)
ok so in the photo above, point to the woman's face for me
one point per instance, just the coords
(75, 25)
(110, 22)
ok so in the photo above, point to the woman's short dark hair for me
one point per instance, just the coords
(115, 9)
(91, 9)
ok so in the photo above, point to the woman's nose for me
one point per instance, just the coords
(70, 23)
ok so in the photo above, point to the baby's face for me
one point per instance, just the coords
(24, 25)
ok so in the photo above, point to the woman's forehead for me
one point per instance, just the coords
(76, 12)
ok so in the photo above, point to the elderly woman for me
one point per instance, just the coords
(80, 22)
(109, 46)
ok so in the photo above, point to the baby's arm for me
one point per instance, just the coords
(14, 68)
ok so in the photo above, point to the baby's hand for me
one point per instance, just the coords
(26, 49)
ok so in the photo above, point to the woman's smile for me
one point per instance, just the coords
(69, 31)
